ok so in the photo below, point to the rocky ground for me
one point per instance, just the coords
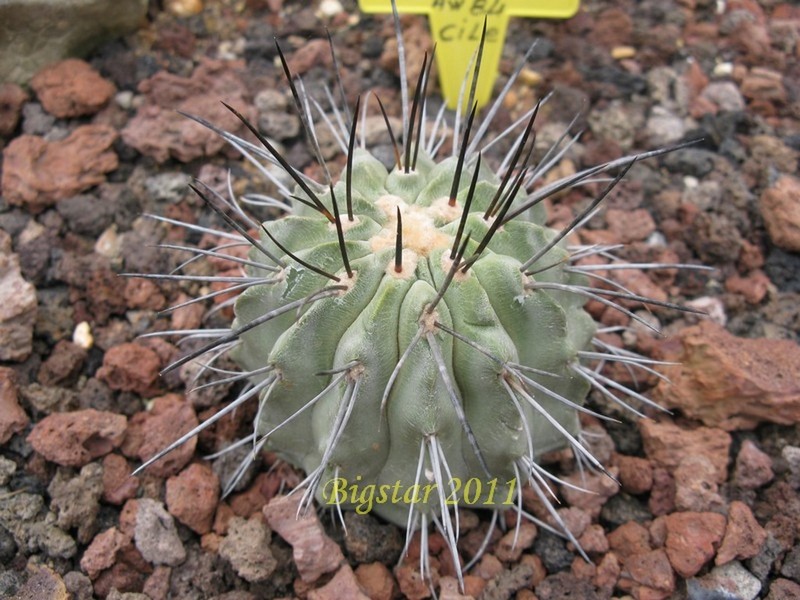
(708, 502)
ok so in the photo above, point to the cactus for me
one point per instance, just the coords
(416, 338)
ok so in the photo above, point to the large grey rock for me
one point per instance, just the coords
(34, 33)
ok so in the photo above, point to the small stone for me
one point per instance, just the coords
(564, 585)
(18, 305)
(38, 173)
(509, 551)
(695, 486)
(623, 52)
(149, 432)
(667, 444)
(729, 581)
(650, 570)
(791, 454)
(76, 438)
(731, 382)
(132, 368)
(692, 539)
(781, 212)
(601, 488)
(12, 97)
(744, 537)
(184, 8)
(376, 580)
(246, 547)
(635, 474)
(630, 539)
(783, 589)
(192, 496)
(102, 552)
(155, 534)
(411, 584)
(13, 418)
(63, 366)
(71, 88)
(664, 127)
(753, 467)
(118, 484)
(42, 584)
(764, 85)
(754, 287)
(630, 225)
(76, 500)
(725, 95)
(314, 552)
(343, 585)
(79, 586)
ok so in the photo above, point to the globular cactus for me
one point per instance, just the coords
(416, 337)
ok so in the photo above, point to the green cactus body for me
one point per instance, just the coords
(373, 321)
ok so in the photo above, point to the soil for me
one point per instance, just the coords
(707, 500)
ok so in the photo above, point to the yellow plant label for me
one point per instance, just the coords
(457, 25)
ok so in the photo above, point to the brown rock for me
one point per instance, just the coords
(314, 552)
(376, 580)
(102, 552)
(783, 589)
(662, 494)
(71, 88)
(601, 486)
(607, 573)
(157, 585)
(692, 539)
(144, 293)
(509, 551)
(192, 496)
(343, 585)
(118, 483)
(630, 539)
(744, 537)
(635, 474)
(131, 367)
(753, 287)
(764, 85)
(63, 365)
(12, 418)
(12, 97)
(246, 548)
(18, 306)
(76, 438)
(311, 54)
(695, 486)
(650, 570)
(667, 444)
(753, 467)
(730, 382)
(781, 211)
(630, 225)
(42, 584)
(37, 173)
(594, 540)
(159, 131)
(151, 431)
(411, 583)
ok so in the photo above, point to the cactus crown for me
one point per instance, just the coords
(418, 328)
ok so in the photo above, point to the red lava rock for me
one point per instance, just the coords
(607, 573)
(744, 537)
(376, 580)
(18, 306)
(781, 212)
(662, 494)
(131, 367)
(63, 365)
(507, 551)
(189, 316)
(629, 539)
(343, 585)
(730, 382)
(252, 500)
(630, 225)
(144, 293)
(635, 474)
(311, 54)
(102, 552)
(666, 445)
(246, 548)
(37, 173)
(695, 488)
(650, 573)
(753, 287)
(411, 584)
(594, 540)
(118, 484)
(156, 587)
(71, 88)
(753, 467)
(601, 486)
(314, 552)
(783, 589)
(692, 538)
(764, 85)
(159, 131)
(192, 496)
(151, 431)
(76, 438)
(12, 97)
(488, 567)
(12, 418)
